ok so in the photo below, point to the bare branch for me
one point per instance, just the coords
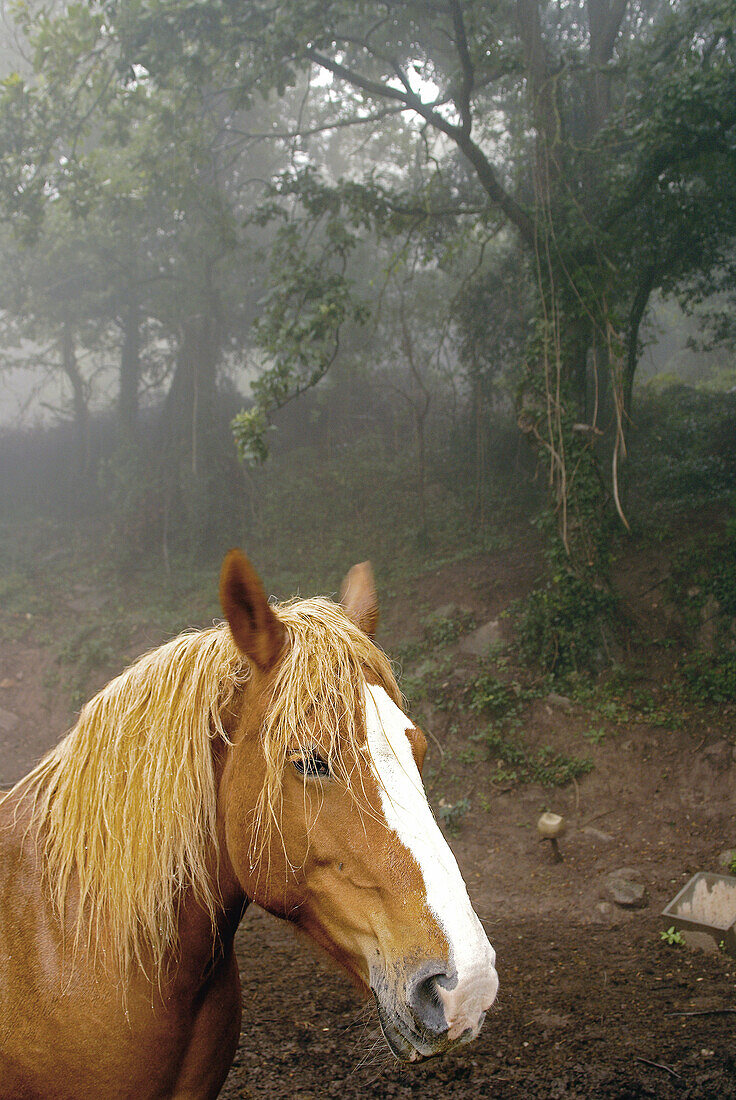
(468, 74)
(483, 167)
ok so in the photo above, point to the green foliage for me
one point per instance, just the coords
(672, 936)
(562, 626)
(684, 448)
(444, 630)
(490, 695)
(249, 430)
(94, 647)
(518, 763)
(711, 678)
(703, 586)
(452, 813)
(595, 736)
(720, 581)
(113, 144)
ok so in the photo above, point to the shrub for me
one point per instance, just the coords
(562, 624)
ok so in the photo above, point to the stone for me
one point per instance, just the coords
(627, 894)
(632, 873)
(604, 912)
(560, 701)
(479, 641)
(596, 835)
(8, 721)
(7, 683)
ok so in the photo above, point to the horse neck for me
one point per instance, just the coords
(201, 943)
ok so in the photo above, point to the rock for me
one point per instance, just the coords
(7, 683)
(632, 873)
(596, 835)
(560, 701)
(479, 641)
(604, 912)
(8, 721)
(627, 894)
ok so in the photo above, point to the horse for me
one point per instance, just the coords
(265, 760)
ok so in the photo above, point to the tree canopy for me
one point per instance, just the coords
(281, 162)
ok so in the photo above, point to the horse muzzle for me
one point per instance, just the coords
(434, 1011)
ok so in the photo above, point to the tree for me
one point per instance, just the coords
(532, 116)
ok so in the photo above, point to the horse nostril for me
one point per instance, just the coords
(424, 1000)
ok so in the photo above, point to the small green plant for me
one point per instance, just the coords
(594, 736)
(711, 678)
(517, 763)
(452, 813)
(671, 936)
(468, 755)
(613, 711)
(442, 630)
(493, 696)
(732, 865)
(408, 651)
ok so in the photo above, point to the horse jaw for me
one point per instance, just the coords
(442, 1001)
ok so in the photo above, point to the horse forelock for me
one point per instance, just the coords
(125, 806)
(318, 691)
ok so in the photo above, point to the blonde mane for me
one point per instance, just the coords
(125, 804)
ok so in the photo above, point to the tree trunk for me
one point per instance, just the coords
(79, 400)
(420, 417)
(480, 449)
(130, 370)
(636, 314)
(189, 431)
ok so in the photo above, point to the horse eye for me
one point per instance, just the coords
(312, 764)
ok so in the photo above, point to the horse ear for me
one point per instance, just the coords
(256, 629)
(358, 597)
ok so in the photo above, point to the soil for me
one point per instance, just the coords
(593, 1002)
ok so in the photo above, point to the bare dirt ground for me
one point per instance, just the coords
(593, 1003)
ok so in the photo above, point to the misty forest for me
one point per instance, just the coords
(449, 285)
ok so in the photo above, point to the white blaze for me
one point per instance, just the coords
(407, 813)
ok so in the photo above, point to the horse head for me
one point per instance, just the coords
(325, 818)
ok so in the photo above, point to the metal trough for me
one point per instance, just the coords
(707, 904)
